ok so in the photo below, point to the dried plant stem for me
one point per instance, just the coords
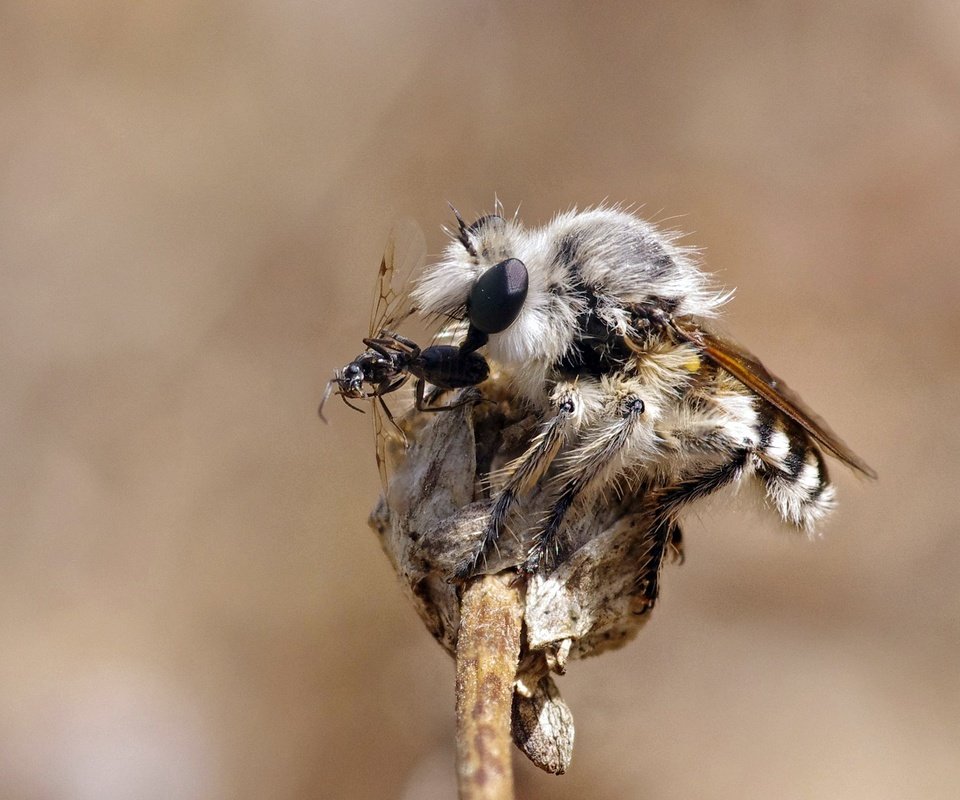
(488, 649)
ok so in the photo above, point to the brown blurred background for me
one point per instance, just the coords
(194, 199)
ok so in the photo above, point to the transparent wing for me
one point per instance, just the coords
(380, 435)
(405, 252)
(452, 332)
(385, 428)
(746, 368)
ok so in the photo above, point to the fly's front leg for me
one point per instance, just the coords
(570, 407)
(621, 438)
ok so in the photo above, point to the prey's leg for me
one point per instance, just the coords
(389, 413)
(422, 404)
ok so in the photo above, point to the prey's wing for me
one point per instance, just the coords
(386, 427)
(380, 434)
(405, 252)
(746, 368)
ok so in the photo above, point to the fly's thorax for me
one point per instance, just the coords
(587, 271)
(668, 368)
(628, 261)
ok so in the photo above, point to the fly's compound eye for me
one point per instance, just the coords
(497, 296)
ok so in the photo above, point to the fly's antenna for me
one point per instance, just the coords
(463, 236)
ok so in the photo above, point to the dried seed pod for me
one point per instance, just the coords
(543, 727)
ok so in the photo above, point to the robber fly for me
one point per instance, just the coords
(612, 346)
(391, 359)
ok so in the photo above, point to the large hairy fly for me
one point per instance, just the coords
(612, 346)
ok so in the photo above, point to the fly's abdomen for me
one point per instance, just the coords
(793, 472)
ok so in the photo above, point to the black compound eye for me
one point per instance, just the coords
(497, 296)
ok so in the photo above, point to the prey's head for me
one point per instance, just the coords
(348, 382)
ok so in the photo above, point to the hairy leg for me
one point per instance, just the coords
(569, 406)
(617, 440)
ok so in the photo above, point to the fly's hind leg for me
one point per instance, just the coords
(570, 408)
(667, 502)
(664, 537)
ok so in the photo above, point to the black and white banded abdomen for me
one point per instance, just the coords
(793, 472)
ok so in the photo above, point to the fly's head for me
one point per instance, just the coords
(481, 278)
(493, 275)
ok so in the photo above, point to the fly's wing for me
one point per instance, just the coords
(405, 252)
(746, 368)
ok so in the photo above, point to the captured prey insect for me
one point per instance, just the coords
(635, 393)
(391, 359)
